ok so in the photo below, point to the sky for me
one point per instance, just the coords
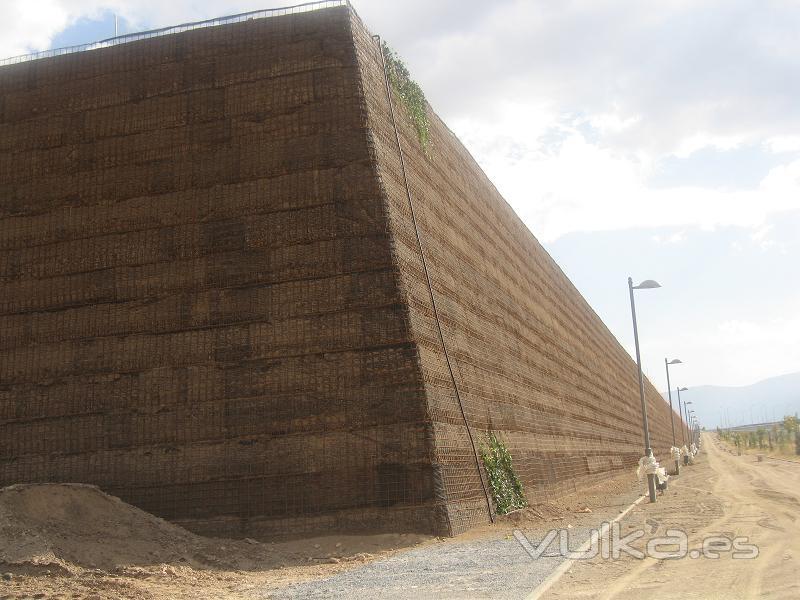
(657, 140)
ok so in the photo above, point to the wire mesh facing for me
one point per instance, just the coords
(198, 308)
(143, 35)
(212, 302)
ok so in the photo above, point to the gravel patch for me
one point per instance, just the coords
(495, 566)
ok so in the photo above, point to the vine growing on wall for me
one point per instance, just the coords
(504, 484)
(410, 94)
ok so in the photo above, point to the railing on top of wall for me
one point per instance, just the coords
(143, 35)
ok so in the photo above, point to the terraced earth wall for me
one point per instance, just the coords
(212, 300)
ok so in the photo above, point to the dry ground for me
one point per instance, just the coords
(723, 494)
(74, 542)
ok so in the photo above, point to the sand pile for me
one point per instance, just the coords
(75, 529)
(69, 527)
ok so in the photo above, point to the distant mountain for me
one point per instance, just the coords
(768, 400)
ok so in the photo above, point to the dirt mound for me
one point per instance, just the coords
(62, 527)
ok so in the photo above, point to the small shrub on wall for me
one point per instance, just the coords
(410, 94)
(504, 484)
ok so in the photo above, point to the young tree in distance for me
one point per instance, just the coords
(761, 433)
(790, 424)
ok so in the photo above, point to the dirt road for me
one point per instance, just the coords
(723, 495)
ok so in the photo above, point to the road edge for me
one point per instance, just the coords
(565, 566)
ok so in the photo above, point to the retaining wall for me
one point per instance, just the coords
(212, 301)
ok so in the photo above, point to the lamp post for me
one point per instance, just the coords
(647, 284)
(684, 424)
(667, 363)
(680, 411)
(686, 409)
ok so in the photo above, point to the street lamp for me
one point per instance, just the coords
(647, 284)
(667, 363)
(681, 411)
(686, 409)
(684, 424)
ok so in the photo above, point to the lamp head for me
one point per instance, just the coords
(685, 389)
(647, 284)
(675, 361)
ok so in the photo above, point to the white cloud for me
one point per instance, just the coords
(676, 238)
(578, 185)
(738, 350)
(611, 123)
(27, 26)
(748, 350)
(761, 236)
(701, 141)
(30, 25)
(783, 143)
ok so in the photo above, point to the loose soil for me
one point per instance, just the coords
(74, 541)
(722, 495)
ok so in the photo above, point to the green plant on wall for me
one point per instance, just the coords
(505, 486)
(410, 94)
